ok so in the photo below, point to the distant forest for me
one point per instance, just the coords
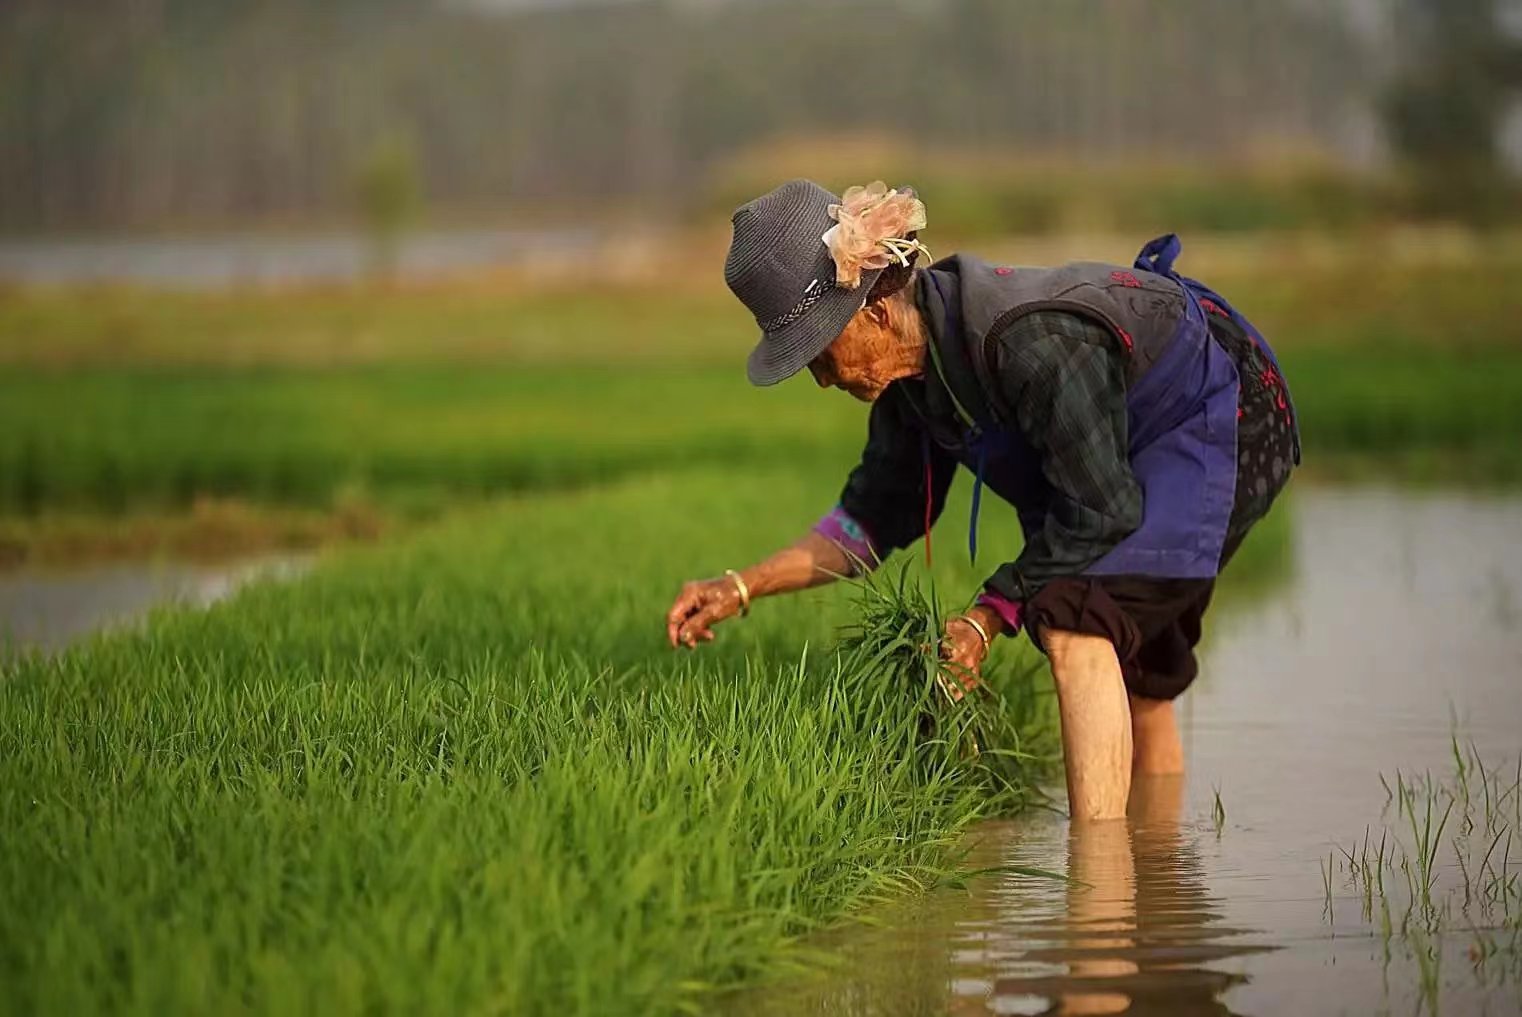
(123, 113)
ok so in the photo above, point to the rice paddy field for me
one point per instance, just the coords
(409, 399)
(464, 773)
(456, 768)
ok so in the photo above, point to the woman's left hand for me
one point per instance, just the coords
(963, 649)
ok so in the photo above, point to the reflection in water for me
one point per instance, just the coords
(1401, 613)
(1137, 928)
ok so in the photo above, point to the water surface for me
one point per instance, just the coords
(1400, 614)
(48, 608)
(197, 262)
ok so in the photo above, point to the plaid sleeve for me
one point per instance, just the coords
(1064, 379)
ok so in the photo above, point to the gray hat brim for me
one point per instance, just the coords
(783, 353)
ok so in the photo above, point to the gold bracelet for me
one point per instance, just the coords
(744, 591)
(977, 627)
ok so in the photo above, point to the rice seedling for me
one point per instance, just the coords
(894, 645)
(1428, 841)
(1218, 812)
(465, 774)
(1361, 869)
(414, 439)
(1450, 844)
(1428, 953)
(1326, 884)
(1516, 796)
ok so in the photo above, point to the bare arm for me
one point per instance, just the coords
(882, 508)
(812, 560)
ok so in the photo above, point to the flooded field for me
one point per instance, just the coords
(1398, 626)
(48, 608)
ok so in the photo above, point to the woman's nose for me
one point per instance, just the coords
(821, 376)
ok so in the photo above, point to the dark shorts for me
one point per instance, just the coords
(1155, 624)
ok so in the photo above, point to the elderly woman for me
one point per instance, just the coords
(1138, 424)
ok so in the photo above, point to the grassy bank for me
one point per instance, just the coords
(465, 774)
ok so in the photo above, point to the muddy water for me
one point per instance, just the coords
(1401, 613)
(48, 608)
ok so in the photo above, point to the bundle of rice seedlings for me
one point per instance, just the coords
(893, 655)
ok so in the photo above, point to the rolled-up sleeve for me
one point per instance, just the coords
(1065, 382)
(885, 496)
(841, 528)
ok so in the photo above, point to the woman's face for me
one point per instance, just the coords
(866, 358)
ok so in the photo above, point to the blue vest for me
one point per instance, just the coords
(1181, 400)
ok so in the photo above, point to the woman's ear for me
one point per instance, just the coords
(877, 312)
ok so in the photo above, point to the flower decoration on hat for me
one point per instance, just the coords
(872, 225)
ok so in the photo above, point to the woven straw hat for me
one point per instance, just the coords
(781, 270)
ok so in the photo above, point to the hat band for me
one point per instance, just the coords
(812, 294)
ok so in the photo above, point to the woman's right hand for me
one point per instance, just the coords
(702, 604)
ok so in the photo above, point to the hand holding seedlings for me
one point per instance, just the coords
(964, 646)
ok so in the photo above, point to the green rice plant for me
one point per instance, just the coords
(1460, 773)
(1428, 952)
(1326, 886)
(464, 773)
(420, 438)
(416, 439)
(1428, 841)
(894, 644)
(419, 399)
(1361, 870)
(1455, 883)
(1423, 413)
(1218, 812)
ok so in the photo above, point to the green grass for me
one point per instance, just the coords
(417, 439)
(93, 327)
(1418, 412)
(466, 774)
(410, 400)
(414, 435)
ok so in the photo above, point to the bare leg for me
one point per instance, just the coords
(1158, 749)
(1096, 723)
(1156, 809)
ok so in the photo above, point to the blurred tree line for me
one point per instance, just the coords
(1460, 76)
(120, 113)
